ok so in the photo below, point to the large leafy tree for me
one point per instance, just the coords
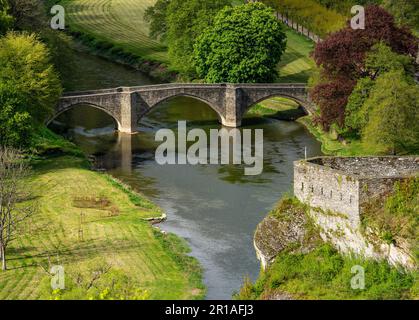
(29, 87)
(379, 61)
(393, 114)
(341, 58)
(245, 45)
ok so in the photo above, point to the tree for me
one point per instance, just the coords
(29, 87)
(343, 54)
(156, 16)
(28, 14)
(393, 114)
(179, 23)
(332, 98)
(355, 117)
(6, 20)
(406, 12)
(14, 194)
(244, 45)
(380, 60)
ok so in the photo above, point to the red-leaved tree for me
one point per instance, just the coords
(342, 60)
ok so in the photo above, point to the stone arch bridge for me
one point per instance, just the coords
(230, 101)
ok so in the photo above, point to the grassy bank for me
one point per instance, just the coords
(85, 216)
(331, 145)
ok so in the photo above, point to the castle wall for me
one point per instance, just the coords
(327, 190)
(336, 200)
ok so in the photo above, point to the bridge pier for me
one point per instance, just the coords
(232, 116)
(128, 123)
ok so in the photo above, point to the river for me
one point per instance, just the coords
(215, 208)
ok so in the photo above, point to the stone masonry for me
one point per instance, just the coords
(337, 189)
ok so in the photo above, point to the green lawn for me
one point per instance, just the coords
(120, 22)
(296, 64)
(129, 244)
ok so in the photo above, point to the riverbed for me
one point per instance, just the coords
(215, 208)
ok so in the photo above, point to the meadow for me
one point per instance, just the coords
(84, 217)
(119, 22)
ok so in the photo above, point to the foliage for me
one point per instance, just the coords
(309, 14)
(28, 14)
(379, 60)
(29, 87)
(406, 12)
(355, 118)
(395, 218)
(325, 274)
(342, 59)
(393, 116)
(6, 20)
(179, 23)
(156, 16)
(332, 98)
(255, 41)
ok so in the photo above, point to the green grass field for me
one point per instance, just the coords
(129, 244)
(121, 23)
(296, 64)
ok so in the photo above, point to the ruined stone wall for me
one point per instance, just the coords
(327, 189)
(336, 200)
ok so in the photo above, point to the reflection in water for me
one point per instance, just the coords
(216, 208)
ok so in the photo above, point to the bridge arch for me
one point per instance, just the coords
(300, 102)
(78, 104)
(215, 108)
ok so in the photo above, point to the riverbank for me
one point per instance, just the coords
(300, 265)
(331, 145)
(85, 217)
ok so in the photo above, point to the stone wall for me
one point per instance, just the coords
(327, 189)
(337, 189)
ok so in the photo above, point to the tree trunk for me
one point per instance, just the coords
(3, 258)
